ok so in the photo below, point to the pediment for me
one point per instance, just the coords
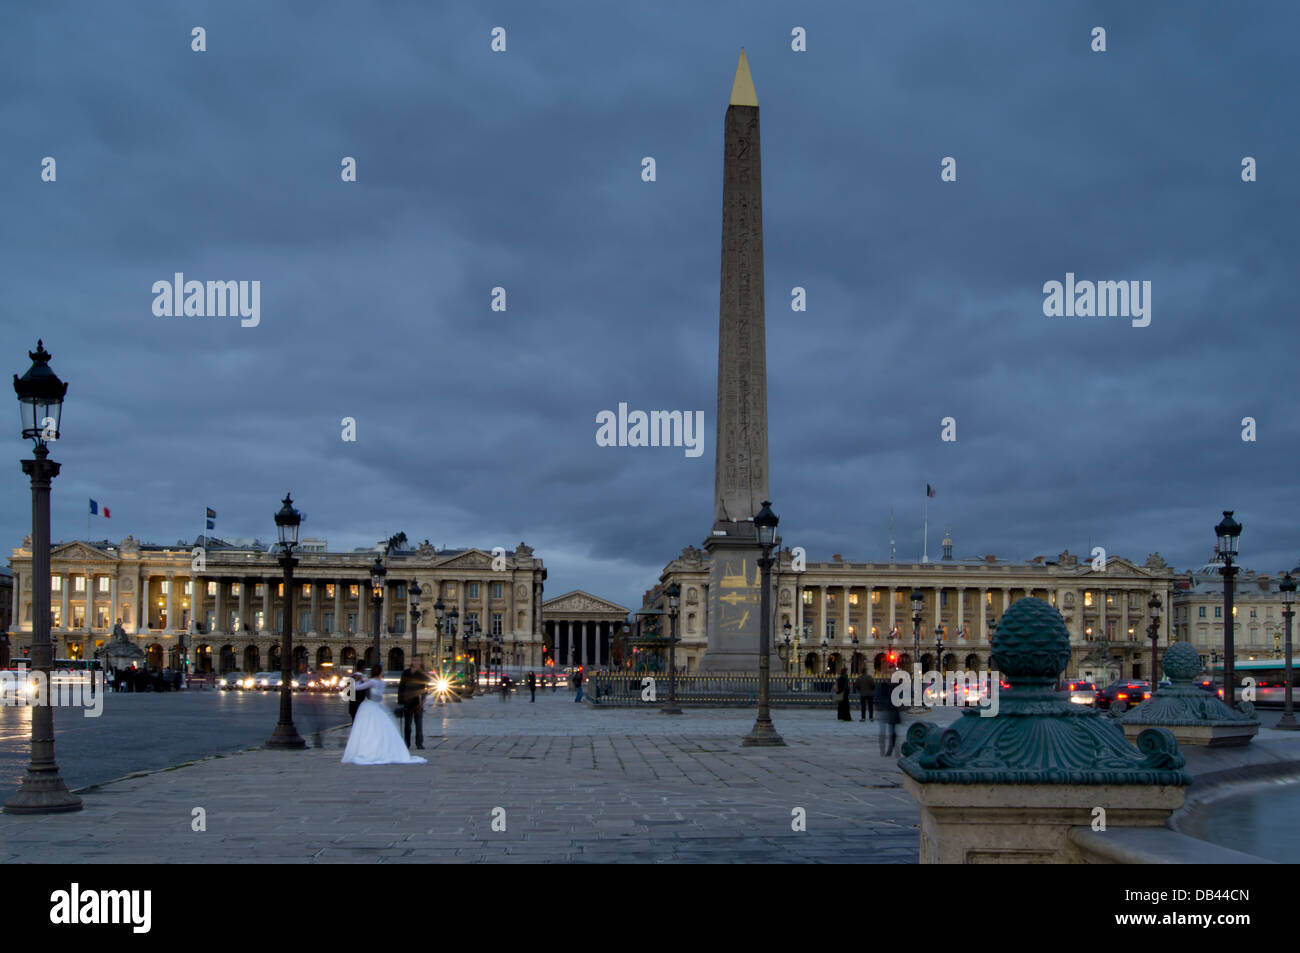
(80, 552)
(471, 559)
(579, 601)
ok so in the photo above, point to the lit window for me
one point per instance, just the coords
(212, 588)
(329, 591)
(103, 583)
(1087, 599)
(56, 582)
(306, 590)
(79, 584)
(354, 592)
(807, 597)
(875, 595)
(853, 598)
(234, 588)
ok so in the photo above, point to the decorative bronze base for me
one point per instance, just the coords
(1288, 723)
(42, 792)
(285, 737)
(670, 708)
(763, 735)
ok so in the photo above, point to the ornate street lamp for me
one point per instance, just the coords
(415, 592)
(439, 611)
(764, 734)
(826, 655)
(670, 707)
(287, 521)
(918, 608)
(1153, 633)
(453, 630)
(377, 576)
(1229, 532)
(788, 656)
(1287, 588)
(938, 646)
(40, 400)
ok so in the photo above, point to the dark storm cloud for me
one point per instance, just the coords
(523, 170)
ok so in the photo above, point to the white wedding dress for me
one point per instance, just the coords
(374, 738)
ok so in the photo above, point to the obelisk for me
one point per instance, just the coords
(740, 470)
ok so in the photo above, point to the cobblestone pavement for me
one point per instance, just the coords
(575, 784)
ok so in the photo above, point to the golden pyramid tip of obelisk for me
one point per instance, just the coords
(742, 89)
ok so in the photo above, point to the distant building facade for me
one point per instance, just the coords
(1259, 627)
(846, 615)
(228, 605)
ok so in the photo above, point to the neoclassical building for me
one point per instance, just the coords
(226, 602)
(581, 629)
(848, 614)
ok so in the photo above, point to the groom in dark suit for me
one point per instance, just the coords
(410, 700)
(357, 698)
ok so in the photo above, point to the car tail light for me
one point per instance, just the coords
(1120, 695)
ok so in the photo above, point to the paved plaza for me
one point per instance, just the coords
(576, 785)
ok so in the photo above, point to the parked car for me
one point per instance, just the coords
(1081, 692)
(232, 682)
(264, 681)
(1128, 691)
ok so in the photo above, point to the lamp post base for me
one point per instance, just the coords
(1288, 723)
(670, 708)
(763, 735)
(285, 736)
(42, 792)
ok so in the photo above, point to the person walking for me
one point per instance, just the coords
(411, 688)
(842, 697)
(532, 687)
(866, 686)
(577, 680)
(889, 716)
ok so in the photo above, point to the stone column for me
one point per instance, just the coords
(90, 609)
(1101, 615)
(65, 620)
(171, 603)
(893, 611)
(383, 612)
(222, 623)
(509, 629)
(339, 586)
(196, 603)
(243, 606)
(844, 615)
(268, 606)
(112, 600)
(820, 633)
(870, 621)
(313, 627)
(1123, 618)
(984, 615)
(961, 608)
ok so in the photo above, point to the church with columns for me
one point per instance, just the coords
(582, 630)
(222, 605)
(841, 615)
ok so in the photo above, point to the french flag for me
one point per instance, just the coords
(94, 510)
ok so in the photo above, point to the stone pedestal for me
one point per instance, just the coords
(1028, 823)
(734, 613)
(1011, 787)
(1195, 716)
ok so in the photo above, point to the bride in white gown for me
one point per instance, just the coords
(374, 738)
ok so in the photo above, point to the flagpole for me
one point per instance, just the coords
(925, 528)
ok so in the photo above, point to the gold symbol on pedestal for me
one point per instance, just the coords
(736, 580)
(738, 623)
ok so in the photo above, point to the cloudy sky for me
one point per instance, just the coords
(522, 169)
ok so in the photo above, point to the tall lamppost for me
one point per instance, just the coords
(40, 398)
(918, 607)
(453, 630)
(472, 630)
(377, 576)
(826, 655)
(415, 592)
(286, 524)
(1228, 532)
(1287, 588)
(439, 612)
(789, 657)
(938, 647)
(670, 707)
(764, 734)
(1153, 633)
